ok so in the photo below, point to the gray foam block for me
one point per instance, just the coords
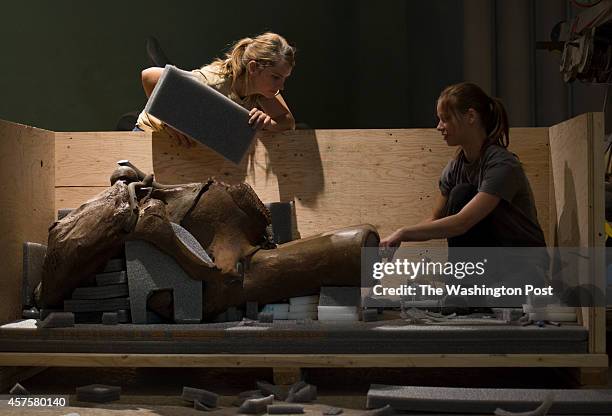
(114, 265)
(33, 260)
(266, 317)
(149, 270)
(267, 388)
(101, 292)
(285, 409)
(249, 394)
(45, 312)
(207, 398)
(302, 392)
(88, 317)
(282, 221)
(96, 305)
(234, 314)
(383, 411)
(331, 411)
(252, 309)
(191, 243)
(57, 320)
(202, 113)
(110, 318)
(197, 405)
(98, 393)
(111, 278)
(483, 400)
(123, 316)
(18, 390)
(369, 315)
(340, 296)
(256, 406)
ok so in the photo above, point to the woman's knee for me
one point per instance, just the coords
(459, 196)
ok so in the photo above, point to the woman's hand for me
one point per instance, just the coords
(259, 120)
(389, 244)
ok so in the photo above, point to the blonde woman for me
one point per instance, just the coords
(252, 74)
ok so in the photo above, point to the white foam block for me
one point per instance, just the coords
(304, 300)
(202, 113)
(337, 309)
(323, 316)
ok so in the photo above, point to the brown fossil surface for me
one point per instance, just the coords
(230, 223)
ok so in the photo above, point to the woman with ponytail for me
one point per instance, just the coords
(252, 74)
(485, 198)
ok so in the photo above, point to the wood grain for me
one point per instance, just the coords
(27, 205)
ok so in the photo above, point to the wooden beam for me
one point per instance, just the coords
(303, 360)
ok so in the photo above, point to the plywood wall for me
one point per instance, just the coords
(27, 206)
(577, 165)
(337, 178)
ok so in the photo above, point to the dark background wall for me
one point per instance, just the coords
(75, 65)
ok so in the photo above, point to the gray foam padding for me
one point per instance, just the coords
(207, 398)
(267, 389)
(256, 405)
(110, 318)
(111, 278)
(383, 411)
(191, 243)
(18, 390)
(31, 313)
(282, 221)
(332, 411)
(484, 400)
(252, 309)
(149, 270)
(302, 393)
(285, 409)
(340, 296)
(369, 315)
(96, 305)
(198, 405)
(114, 265)
(33, 260)
(98, 393)
(57, 320)
(202, 113)
(100, 292)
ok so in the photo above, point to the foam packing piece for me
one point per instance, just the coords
(148, 270)
(111, 278)
(383, 411)
(256, 406)
(100, 292)
(110, 318)
(304, 300)
(486, 400)
(302, 392)
(98, 393)
(267, 388)
(202, 113)
(324, 316)
(33, 259)
(332, 411)
(191, 243)
(18, 390)
(282, 221)
(114, 265)
(340, 296)
(308, 307)
(301, 315)
(96, 305)
(285, 409)
(207, 398)
(57, 320)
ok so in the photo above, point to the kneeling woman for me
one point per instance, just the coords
(485, 199)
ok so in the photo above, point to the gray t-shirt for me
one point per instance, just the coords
(498, 172)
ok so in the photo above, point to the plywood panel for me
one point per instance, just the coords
(577, 168)
(343, 177)
(75, 196)
(27, 204)
(89, 158)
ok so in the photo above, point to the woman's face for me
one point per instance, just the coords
(453, 130)
(270, 80)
